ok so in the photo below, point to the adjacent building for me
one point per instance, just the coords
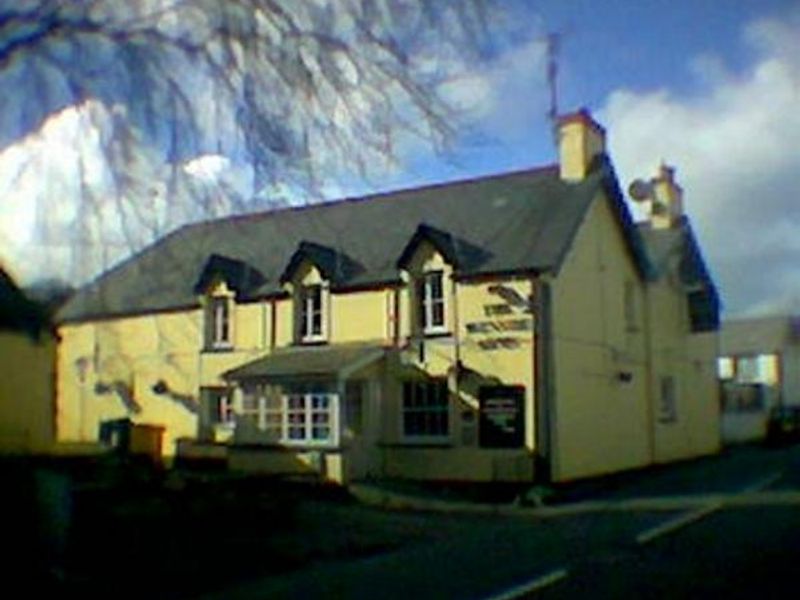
(27, 373)
(515, 327)
(759, 369)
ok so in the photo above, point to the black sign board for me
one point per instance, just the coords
(502, 422)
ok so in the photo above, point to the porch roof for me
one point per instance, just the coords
(338, 361)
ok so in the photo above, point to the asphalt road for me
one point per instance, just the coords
(728, 526)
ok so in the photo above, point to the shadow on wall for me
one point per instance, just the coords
(186, 401)
(124, 392)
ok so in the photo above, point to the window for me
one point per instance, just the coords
(726, 368)
(761, 368)
(431, 302)
(294, 419)
(311, 313)
(219, 316)
(668, 412)
(220, 407)
(425, 409)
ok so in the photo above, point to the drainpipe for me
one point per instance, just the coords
(544, 384)
(273, 324)
(649, 374)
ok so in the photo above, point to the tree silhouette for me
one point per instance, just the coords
(294, 90)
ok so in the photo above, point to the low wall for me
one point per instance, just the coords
(742, 427)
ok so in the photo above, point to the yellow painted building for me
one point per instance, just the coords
(27, 373)
(517, 327)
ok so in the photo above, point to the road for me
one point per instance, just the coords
(729, 526)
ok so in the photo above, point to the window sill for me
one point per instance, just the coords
(312, 342)
(442, 443)
(218, 348)
(436, 333)
(273, 446)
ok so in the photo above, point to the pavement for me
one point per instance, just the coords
(718, 526)
(661, 487)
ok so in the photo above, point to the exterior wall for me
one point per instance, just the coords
(26, 393)
(493, 343)
(687, 424)
(600, 404)
(360, 316)
(146, 368)
(703, 415)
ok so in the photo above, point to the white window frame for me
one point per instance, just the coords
(276, 414)
(425, 408)
(427, 302)
(224, 412)
(309, 307)
(668, 391)
(220, 314)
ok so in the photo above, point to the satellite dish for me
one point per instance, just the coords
(640, 190)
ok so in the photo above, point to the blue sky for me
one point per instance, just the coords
(638, 46)
(710, 87)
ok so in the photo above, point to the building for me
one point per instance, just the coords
(507, 328)
(27, 373)
(759, 369)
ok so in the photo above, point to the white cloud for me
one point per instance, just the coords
(735, 148)
(502, 94)
(62, 212)
(43, 165)
(207, 167)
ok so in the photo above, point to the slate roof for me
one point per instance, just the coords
(679, 243)
(520, 221)
(308, 362)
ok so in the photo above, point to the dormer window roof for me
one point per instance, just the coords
(334, 266)
(240, 277)
(460, 254)
(441, 240)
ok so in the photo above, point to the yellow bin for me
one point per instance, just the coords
(147, 440)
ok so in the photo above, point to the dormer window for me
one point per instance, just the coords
(219, 325)
(311, 315)
(222, 280)
(431, 302)
(220, 322)
(429, 261)
(312, 272)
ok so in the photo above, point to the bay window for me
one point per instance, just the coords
(294, 419)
